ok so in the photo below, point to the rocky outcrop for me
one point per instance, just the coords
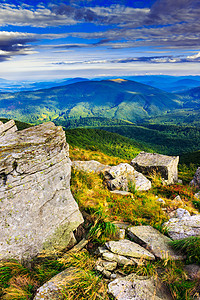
(133, 287)
(196, 179)
(154, 241)
(166, 166)
(180, 228)
(38, 210)
(6, 128)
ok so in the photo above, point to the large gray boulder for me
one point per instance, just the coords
(133, 287)
(166, 166)
(38, 210)
(182, 228)
(154, 241)
(196, 179)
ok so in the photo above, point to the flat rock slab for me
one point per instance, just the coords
(130, 249)
(120, 259)
(183, 228)
(8, 127)
(89, 166)
(135, 287)
(154, 241)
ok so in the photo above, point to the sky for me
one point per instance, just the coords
(49, 40)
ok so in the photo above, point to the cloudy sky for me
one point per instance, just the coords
(46, 40)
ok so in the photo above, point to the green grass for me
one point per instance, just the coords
(189, 246)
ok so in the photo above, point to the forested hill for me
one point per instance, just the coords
(117, 98)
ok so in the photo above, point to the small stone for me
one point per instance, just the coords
(107, 265)
(177, 198)
(107, 274)
(113, 276)
(101, 250)
(197, 195)
(121, 260)
(128, 248)
(160, 200)
(193, 271)
(182, 213)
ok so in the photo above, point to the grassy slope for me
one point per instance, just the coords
(101, 208)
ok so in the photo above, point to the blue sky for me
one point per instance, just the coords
(47, 40)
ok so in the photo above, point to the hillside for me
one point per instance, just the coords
(120, 99)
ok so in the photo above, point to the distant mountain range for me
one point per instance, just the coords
(172, 84)
(117, 98)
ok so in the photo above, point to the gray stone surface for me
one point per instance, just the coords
(8, 127)
(183, 228)
(38, 210)
(197, 195)
(196, 179)
(51, 290)
(130, 249)
(107, 265)
(148, 163)
(193, 271)
(181, 213)
(122, 260)
(154, 241)
(89, 166)
(135, 287)
(120, 177)
(141, 182)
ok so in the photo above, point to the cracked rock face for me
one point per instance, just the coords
(37, 209)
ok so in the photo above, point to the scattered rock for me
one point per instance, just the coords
(197, 195)
(8, 127)
(89, 166)
(183, 228)
(135, 287)
(148, 163)
(79, 246)
(51, 290)
(196, 179)
(181, 213)
(107, 265)
(130, 249)
(193, 271)
(120, 177)
(160, 200)
(38, 210)
(141, 182)
(121, 260)
(122, 193)
(177, 198)
(154, 241)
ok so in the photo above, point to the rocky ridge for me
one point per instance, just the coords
(38, 210)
